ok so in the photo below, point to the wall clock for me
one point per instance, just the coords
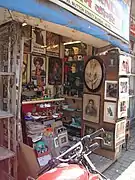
(93, 73)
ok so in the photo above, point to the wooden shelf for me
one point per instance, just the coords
(73, 97)
(43, 101)
(7, 74)
(5, 153)
(4, 114)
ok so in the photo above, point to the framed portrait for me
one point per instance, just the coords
(53, 44)
(38, 70)
(87, 129)
(55, 71)
(112, 61)
(123, 87)
(63, 139)
(93, 73)
(124, 65)
(38, 43)
(110, 112)
(111, 90)
(120, 133)
(91, 105)
(123, 107)
(108, 143)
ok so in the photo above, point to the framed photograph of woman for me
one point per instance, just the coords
(124, 65)
(111, 90)
(123, 107)
(110, 112)
(38, 41)
(55, 71)
(123, 87)
(108, 143)
(91, 105)
(38, 72)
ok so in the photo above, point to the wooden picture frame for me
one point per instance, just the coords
(111, 90)
(110, 109)
(123, 107)
(87, 129)
(120, 132)
(91, 107)
(53, 44)
(55, 71)
(108, 143)
(124, 65)
(123, 87)
(94, 73)
(38, 74)
(38, 43)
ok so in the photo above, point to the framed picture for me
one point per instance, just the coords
(38, 41)
(38, 70)
(26, 69)
(110, 112)
(53, 44)
(123, 108)
(55, 71)
(111, 90)
(87, 129)
(124, 65)
(108, 143)
(63, 139)
(123, 87)
(91, 105)
(56, 142)
(120, 133)
(93, 73)
(112, 61)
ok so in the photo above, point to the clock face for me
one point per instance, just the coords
(93, 74)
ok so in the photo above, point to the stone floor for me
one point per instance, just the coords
(124, 167)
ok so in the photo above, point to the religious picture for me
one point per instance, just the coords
(109, 112)
(55, 71)
(38, 41)
(124, 65)
(91, 105)
(111, 90)
(122, 108)
(123, 87)
(108, 143)
(38, 73)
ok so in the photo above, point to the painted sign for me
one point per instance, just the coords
(112, 14)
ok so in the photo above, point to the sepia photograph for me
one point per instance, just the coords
(91, 105)
(110, 112)
(111, 90)
(38, 41)
(88, 129)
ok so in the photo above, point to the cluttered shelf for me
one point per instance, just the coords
(42, 101)
(72, 97)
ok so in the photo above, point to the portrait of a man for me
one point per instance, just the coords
(90, 108)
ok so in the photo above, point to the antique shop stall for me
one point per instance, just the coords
(74, 80)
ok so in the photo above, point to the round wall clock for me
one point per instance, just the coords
(93, 73)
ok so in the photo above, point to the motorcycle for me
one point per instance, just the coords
(74, 163)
